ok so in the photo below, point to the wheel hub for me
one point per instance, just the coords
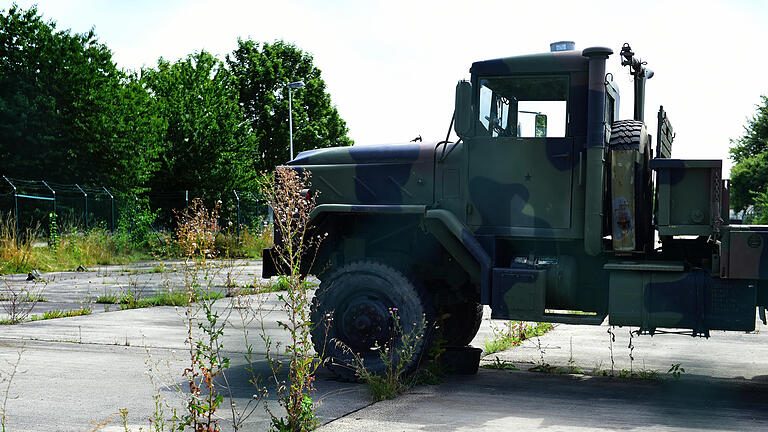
(365, 324)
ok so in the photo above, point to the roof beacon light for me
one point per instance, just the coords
(562, 46)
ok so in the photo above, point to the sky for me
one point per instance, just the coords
(391, 66)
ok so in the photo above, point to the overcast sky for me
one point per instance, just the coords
(391, 66)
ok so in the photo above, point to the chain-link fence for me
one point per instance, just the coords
(29, 204)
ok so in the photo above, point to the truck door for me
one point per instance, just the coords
(521, 158)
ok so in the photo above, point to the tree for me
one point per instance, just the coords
(749, 175)
(209, 148)
(67, 113)
(261, 73)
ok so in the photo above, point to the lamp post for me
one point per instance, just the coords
(291, 86)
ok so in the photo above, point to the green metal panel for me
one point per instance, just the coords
(518, 294)
(684, 300)
(520, 182)
(664, 135)
(747, 253)
(689, 196)
(645, 266)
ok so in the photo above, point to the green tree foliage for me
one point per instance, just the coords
(749, 175)
(262, 72)
(209, 147)
(66, 112)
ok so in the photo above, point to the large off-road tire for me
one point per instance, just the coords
(352, 316)
(460, 322)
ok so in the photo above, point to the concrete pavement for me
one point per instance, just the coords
(79, 372)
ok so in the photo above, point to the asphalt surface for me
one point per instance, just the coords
(77, 373)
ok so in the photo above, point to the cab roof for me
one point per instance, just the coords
(563, 61)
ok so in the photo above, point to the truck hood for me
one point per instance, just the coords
(391, 174)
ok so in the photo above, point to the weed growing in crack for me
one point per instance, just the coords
(195, 236)
(676, 371)
(19, 298)
(500, 364)
(397, 355)
(207, 364)
(6, 379)
(572, 368)
(513, 333)
(541, 366)
(295, 250)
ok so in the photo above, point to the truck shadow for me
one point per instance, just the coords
(575, 402)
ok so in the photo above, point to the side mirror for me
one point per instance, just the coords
(541, 125)
(463, 109)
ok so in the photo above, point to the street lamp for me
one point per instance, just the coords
(292, 86)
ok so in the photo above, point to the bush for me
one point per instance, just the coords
(249, 244)
(136, 222)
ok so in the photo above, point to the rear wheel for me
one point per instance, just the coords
(460, 323)
(352, 315)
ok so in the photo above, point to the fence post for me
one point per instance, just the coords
(238, 212)
(86, 205)
(136, 211)
(54, 195)
(112, 200)
(15, 208)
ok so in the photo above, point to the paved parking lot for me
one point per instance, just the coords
(78, 371)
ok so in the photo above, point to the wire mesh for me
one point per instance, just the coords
(83, 207)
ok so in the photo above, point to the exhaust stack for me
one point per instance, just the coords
(593, 206)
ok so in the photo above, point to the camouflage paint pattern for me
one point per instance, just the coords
(376, 174)
(500, 206)
(693, 300)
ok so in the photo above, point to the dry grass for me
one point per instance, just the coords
(21, 254)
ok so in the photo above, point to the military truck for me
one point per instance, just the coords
(547, 208)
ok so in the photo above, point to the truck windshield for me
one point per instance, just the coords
(523, 106)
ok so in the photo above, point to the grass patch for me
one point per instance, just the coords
(29, 298)
(513, 333)
(58, 313)
(643, 374)
(130, 300)
(500, 364)
(108, 298)
(258, 287)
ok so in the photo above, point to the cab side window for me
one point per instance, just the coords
(523, 106)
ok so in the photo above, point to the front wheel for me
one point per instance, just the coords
(353, 319)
